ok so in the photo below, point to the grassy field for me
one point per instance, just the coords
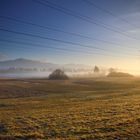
(76, 109)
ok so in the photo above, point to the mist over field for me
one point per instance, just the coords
(25, 68)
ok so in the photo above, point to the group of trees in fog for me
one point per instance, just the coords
(59, 74)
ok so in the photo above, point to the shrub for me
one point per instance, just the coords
(119, 74)
(58, 75)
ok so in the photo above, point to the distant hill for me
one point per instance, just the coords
(31, 64)
(25, 63)
(119, 74)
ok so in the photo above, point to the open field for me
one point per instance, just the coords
(77, 109)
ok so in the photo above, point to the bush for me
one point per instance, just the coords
(119, 74)
(58, 75)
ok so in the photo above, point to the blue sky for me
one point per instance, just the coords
(125, 55)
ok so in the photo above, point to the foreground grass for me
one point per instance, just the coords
(74, 109)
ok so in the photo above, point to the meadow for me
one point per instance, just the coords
(75, 109)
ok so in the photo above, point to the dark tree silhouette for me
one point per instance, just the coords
(58, 75)
(96, 69)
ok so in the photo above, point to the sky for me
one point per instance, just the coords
(108, 31)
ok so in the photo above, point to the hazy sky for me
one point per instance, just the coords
(114, 21)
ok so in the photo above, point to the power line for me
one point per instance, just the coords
(53, 39)
(77, 13)
(59, 30)
(54, 48)
(87, 19)
(62, 31)
(25, 47)
(42, 46)
(109, 12)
